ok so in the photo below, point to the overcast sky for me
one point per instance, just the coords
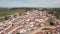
(29, 3)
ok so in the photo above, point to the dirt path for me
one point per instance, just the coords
(40, 29)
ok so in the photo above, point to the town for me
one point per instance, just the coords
(33, 22)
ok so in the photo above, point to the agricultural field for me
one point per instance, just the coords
(9, 12)
(4, 13)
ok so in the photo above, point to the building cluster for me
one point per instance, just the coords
(31, 23)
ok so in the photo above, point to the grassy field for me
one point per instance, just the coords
(4, 13)
(9, 12)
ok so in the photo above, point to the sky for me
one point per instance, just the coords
(30, 3)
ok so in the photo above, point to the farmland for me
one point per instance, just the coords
(5, 13)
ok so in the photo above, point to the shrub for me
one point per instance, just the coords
(18, 33)
(46, 29)
(6, 17)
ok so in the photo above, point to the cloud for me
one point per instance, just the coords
(30, 3)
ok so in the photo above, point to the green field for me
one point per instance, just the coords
(9, 12)
(4, 13)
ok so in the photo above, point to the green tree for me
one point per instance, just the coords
(18, 33)
(6, 17)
